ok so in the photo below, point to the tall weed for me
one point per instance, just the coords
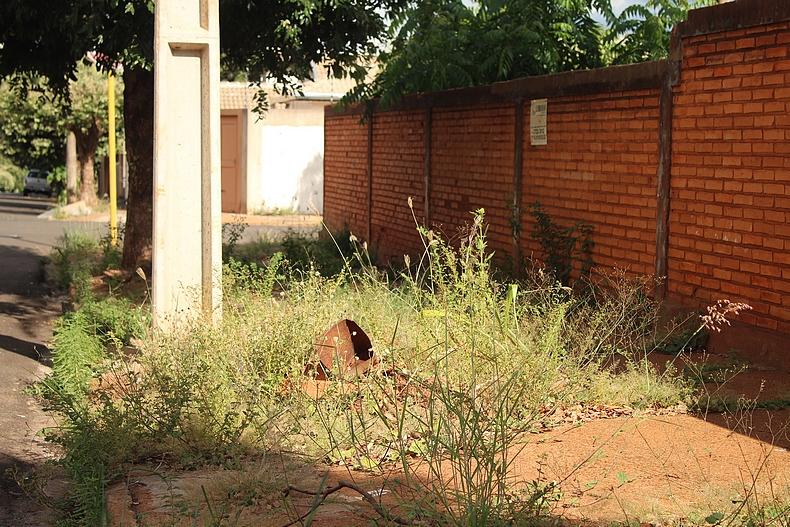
(472, 366)
(78, 256)
(466, 365)
(97, 434)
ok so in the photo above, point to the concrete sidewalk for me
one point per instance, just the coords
(256, 226)
(290, 220)
(79, 211)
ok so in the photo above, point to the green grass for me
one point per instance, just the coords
(327, 253)
(78, 256)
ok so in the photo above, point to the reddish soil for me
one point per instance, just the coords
(610, 465)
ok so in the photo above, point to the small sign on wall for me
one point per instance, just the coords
(537, 122)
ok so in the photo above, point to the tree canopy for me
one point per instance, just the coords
(11, 176)
(86, 115)
(31, 129)
(279, 39)
(442, 44)
(642, 32)
(36, 121)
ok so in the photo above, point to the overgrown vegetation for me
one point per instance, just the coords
(12, 177)
(318, 251)
(562, 248)
(79, 256)
(466, 366)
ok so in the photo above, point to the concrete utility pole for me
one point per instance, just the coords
(187, 237)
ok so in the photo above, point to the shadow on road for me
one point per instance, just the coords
(16, 507)
(22, 273)
(27, 205)
(25, 307)
(13, 309)
(32, 350)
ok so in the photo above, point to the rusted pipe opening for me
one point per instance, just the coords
(345, 349)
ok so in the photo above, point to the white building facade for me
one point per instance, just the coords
(274, 163)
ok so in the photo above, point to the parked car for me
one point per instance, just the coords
(36, 183)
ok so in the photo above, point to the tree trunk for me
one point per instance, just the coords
(71, 168)
(138, 115)
(87, 143)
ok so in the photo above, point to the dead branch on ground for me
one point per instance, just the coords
(341, 484)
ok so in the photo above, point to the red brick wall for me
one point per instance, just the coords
(345, 167)
(729, 232)
(472, 168)
(600, 166)
(729, 198)
(398, 168)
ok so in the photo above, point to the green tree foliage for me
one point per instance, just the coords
(86, 114)
(35, 122)
(281, 39)
(11, 176)
(31, 132)
(642, 32)
(441, 44)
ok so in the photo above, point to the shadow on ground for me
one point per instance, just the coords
(32, 350)
(22, 273)
(27, 205)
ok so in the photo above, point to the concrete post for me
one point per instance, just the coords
(187, 236)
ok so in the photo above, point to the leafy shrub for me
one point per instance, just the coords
(57, 179)
(231, 235)
(327, 253)
(12, 177)
(78, 256)
(562, 248)
(82, 337)
(466, 365)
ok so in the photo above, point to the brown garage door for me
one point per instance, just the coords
(231, 162)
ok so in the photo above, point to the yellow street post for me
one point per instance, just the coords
(113, 186)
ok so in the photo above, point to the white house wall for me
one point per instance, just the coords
(252, 165)
(293, 168)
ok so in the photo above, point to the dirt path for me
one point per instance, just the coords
(655, 469)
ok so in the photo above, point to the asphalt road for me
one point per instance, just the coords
(27, 310)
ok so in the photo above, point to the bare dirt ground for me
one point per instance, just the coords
(611, 465)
